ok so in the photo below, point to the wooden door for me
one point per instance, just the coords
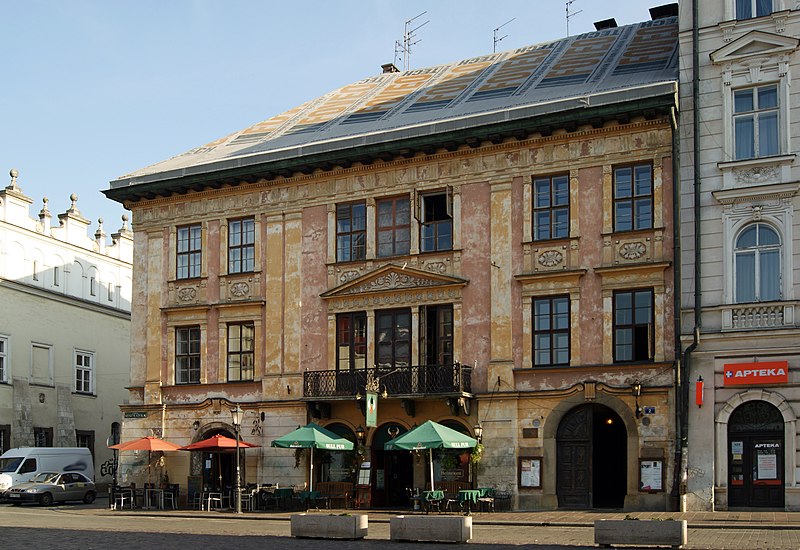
(574, 459)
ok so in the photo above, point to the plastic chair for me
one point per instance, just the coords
(170, 497)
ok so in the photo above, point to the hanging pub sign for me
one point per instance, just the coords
(749, 374)
(372, 410)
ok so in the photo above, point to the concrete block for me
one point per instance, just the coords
(608, 532)
(431, 528)
(326, 526)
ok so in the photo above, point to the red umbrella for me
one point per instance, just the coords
(148, 444)
(217, 442)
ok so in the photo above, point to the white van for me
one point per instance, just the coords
(19, 465)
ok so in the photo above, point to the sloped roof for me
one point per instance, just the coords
(604, 67)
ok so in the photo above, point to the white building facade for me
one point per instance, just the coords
(739, 184)
(65, 328)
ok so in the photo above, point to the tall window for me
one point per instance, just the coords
(241, 245)
(42, 437)
(393, 338)
(550, 207)
(241, 351)
(755, 122)
(758, 264)
(633, 197)
(4, 365)
(351, 341)
(85, 438)
(189, 252)
(746, 9)
(187, 355)
(394, 231)
(633, 325)
(437, 327)
(351, 232)
(84, 372)
(92, 286)
(436, 230)
(56, 275)
(551, 326)
(5, 437)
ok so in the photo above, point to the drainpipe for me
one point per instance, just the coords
(677, 296)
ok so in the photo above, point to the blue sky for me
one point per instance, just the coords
(95, 89)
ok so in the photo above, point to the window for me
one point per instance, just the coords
(747, 9)
(41, 364)
(188, 252)
(35, 270)
(5, 437)
(550, 207)
(110, 292)
(241, 245)
(394, 231)
(241, 351)
(633, 325)
(437, 328)
(351, 341)
(93, 286)
(42, 437)
(393, 338)
(85, 438)
(29, 465)
(187, 355)
(351, 232)
(551, 324)
(56, 275)
(436, 219)
(758, 264)
(633, 197)
(84, 372)
(755, 122)
(4, 365)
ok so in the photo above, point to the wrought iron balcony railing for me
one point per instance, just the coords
(409, 381)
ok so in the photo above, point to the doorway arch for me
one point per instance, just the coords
(217, 468)
(392, 471)
(591, 458)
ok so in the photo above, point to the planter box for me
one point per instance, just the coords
(431, 528)
(322, 526)
(608, 532)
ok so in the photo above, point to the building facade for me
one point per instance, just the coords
(739, 185)
(65, 328)
(487, 243)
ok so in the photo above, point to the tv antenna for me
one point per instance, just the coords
(409, 40)
(496, 40)
(571, 14)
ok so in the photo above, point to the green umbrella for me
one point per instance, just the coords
(431, 435)
(312, 436)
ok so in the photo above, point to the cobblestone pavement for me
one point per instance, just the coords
(87, 527)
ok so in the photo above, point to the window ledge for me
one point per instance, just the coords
(761, 192)
(84, 394)
(762, 161)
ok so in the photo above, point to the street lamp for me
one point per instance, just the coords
(237, 415)
(478, 431)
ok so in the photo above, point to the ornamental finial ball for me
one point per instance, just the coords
(14, 173)
(73, 197)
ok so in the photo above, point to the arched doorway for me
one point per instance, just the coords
(217, 468)
(392, 471)
(755, 456)
(591, 458)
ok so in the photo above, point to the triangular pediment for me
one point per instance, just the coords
(755, 43)
(392, 278)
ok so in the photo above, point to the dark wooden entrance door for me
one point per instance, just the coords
(755, 456)
(574, 459)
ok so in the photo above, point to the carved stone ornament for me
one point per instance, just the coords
(348, 276)
(632, 251)
(390, 281)
(436, 267)
(550, 258)
(187, 294)
(240, 289)
(757, 174)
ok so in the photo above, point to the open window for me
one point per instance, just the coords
(435, 215)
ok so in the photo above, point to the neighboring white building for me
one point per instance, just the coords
(738, 279)
(64, 328)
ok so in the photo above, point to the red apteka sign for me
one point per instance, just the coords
(741, 374)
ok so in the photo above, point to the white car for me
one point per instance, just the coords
(48, 487)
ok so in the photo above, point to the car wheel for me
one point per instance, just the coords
(46, 499)
(88, 498)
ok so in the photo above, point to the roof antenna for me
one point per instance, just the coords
(571, 14)
(408, 41)
(496, 40)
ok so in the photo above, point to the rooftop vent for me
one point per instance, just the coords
(389, 68)
(667, 10)
(605, 24)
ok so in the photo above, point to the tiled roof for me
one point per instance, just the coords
(603, 67)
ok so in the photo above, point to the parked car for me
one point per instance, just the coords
(48, 487)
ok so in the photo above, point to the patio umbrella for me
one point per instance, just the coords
(217, 442)
(312, 436)
(148, 444)
(431, 435)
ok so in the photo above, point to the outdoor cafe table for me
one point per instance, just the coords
(283, 496)
(432, 498)
(153, 498)
(469, 497)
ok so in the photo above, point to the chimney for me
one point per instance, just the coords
(605, 24)
(389, 68)
(667, 10)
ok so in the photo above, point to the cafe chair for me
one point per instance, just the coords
(170, 497)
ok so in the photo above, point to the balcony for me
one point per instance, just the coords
(770, 315)
(400, 382)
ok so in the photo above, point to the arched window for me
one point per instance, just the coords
(757, 258)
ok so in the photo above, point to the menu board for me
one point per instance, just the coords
(651, 475)
(530, 472)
